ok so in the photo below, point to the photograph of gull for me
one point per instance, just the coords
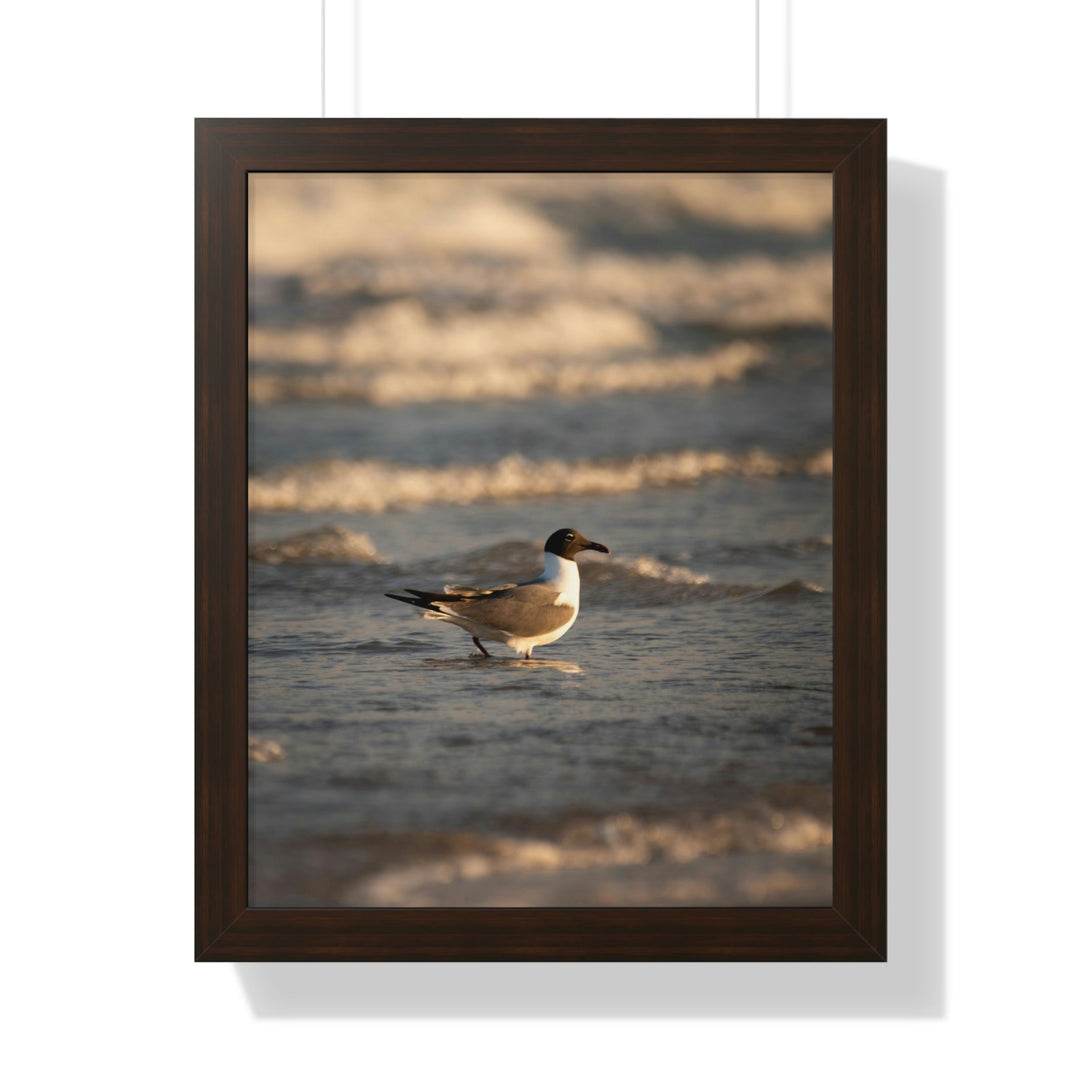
(441, 369)
(524, 616)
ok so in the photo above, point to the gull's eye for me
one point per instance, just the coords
(568, 537)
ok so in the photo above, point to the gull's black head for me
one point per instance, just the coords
(568, 542)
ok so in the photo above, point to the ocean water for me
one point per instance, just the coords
(443, 371)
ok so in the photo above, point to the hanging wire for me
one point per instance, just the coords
(787, 58)
(757, 59)
(356, 58)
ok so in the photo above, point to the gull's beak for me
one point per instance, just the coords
(590, 546)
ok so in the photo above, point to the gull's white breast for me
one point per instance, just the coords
(563, 575)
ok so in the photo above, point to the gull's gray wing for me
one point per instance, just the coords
(523, 610)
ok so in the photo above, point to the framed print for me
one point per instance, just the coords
(540, 511)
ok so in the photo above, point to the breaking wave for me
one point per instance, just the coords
(642, 580)
(747, 293)
(668, 850)
(634, 581)
(300, 219)
(777, 202)
(406, 332)
(376, 486)
(646, 581)
(496, 380)
(329, 544)
(790, 590)
(645, 566)
(303, 219)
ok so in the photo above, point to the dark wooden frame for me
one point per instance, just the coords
(225, 927)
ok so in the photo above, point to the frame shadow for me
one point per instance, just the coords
(912, 984)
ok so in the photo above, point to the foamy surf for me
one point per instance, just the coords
(406, 332)
(303, 219)
(791, 846)
(647, 581)
(648, 567)
(376, 486)
(748, 293)
(494, 379)
(264, 750)
(775, 202)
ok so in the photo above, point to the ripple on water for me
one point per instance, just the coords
(496, 664)
(377, 645)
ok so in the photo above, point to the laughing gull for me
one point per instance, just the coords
(523, 616)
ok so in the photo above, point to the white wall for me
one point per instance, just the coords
(97, 189)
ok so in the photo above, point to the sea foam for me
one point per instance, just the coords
(407, 332)
(300, 218)
(495, 380)
(744, 293)
(617, 841)
(375, 486)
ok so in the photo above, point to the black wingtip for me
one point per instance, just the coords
(421, 603)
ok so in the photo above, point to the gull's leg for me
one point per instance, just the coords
(476, 642)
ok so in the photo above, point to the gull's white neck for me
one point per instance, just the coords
(563, 574)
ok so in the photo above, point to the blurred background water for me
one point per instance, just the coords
(444, 370)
